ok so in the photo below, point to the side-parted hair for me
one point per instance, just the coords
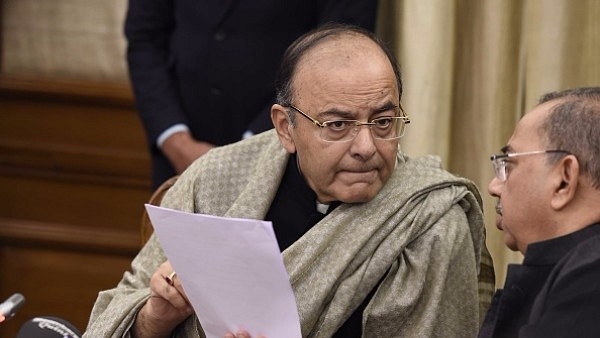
(326, 32)
(573, 124)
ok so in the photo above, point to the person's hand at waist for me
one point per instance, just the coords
(166, 308)
(182, 149)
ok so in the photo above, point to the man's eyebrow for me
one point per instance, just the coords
(349, 115)
(505, 149)
(334, 112)
(386, 106)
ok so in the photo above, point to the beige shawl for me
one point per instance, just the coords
(421, 236)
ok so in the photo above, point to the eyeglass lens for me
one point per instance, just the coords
(386, 128)
(500, 169)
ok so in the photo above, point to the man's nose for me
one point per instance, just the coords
(364, 142)
(494, 187)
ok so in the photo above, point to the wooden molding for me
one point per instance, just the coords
(18, 232)
(75, 130)
(74, 162)
(65, 90)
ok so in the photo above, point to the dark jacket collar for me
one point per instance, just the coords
(550, 251)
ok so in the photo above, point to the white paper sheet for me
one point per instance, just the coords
(231, 270)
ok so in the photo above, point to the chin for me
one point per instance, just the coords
(355, 200)
(356, 192)
(511, 243)
(360, 197)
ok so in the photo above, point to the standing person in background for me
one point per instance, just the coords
(548, 188)
(203, 70)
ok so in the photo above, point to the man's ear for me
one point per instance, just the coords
(284, 127)
(567, 181)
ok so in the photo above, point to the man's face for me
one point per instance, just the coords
(343, 80)
(523, 199)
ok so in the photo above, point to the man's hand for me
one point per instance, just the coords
(182, 149)
(165, 309)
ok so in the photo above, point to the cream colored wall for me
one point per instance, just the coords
(72, 39)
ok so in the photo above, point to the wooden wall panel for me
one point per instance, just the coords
(74, 174)
(78, 202)
(82, 131)
(57, 283)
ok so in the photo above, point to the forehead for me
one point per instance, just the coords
(345, 68)
(527, 134)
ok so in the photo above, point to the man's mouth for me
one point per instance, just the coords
(499, 208)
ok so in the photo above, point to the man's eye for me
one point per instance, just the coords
(383, 122)
(338, 125)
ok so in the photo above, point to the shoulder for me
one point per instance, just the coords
(568, 302)
(242, 153)
(585, 255)
(424, 169)
(426, 174)
(575, 276)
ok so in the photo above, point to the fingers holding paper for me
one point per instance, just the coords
(166, 287)
(167, 306)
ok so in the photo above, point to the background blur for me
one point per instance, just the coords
(74, 169)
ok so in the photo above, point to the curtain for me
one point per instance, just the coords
(472, 68)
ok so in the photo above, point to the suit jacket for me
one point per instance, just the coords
(211, 64)
(554, 293)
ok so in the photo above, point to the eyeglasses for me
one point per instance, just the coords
(500, 161)
(382, 128)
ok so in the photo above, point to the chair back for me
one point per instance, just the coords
(147, 229)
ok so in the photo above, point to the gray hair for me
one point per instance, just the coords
(573, 124)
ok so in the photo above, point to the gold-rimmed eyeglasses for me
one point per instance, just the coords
(500, 161)
(382, 128)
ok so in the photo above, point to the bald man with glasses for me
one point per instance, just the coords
(547, 182)
(376, 244)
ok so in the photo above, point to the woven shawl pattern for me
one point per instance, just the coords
(420, 238)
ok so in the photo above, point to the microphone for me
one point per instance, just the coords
(48, 327)
(10, 306)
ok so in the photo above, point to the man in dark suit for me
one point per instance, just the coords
(202, 71)
(548, 188)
